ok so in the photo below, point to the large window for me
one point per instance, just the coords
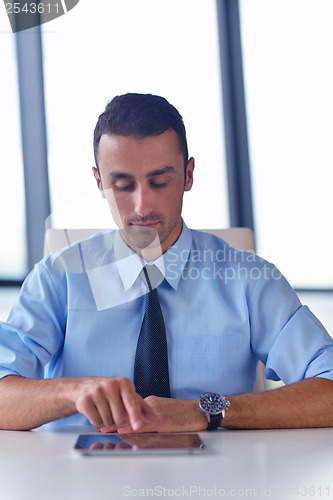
(101, 49)
(287, 53)
(13, 264)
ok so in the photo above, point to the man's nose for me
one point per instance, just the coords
(143, 201)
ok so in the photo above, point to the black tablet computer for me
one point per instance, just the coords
(135, 444)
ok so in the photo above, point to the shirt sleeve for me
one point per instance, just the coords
(34, 331)
(286, 336)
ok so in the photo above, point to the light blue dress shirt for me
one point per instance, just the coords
(80, 312)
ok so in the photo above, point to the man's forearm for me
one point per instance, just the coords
(112, 401)
(27, 404)
(308, 403)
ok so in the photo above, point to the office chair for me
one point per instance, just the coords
(56, 239)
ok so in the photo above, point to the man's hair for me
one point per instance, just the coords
(139, 116)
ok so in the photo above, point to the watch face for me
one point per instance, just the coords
(212, 403)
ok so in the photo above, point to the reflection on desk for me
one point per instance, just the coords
(42, 464)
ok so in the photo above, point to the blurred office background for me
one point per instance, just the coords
(253, 82)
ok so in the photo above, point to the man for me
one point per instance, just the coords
(81, 310)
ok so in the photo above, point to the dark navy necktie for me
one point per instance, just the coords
(151, 372)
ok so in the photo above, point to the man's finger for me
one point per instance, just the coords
(114, 390)
(133, 405)
(103, 407)
(87, 407)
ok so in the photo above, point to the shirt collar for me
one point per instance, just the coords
(171, 264)
(128, 262)
(176, 257)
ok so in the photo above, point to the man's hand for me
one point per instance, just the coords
(113, 403)
(173, 415)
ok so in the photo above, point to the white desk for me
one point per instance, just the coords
(238, 464)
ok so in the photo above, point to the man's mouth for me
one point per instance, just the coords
(145, 224)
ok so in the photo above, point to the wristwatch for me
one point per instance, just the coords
(214, 406)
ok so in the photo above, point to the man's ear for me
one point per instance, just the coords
(99, 182)
(189, 174)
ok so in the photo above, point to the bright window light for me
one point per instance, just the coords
(13, 265)
(287, 53)
(95, 52)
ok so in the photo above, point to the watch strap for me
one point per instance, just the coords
(214, 422)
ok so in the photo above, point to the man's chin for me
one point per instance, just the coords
(142, 237)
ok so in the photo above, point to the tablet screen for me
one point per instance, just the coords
(148, 443)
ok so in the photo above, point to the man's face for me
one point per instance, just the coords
(143, 180)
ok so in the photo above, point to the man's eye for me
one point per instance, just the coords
(122, 186)
(158, 184)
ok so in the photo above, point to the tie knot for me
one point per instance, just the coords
(152, 276)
